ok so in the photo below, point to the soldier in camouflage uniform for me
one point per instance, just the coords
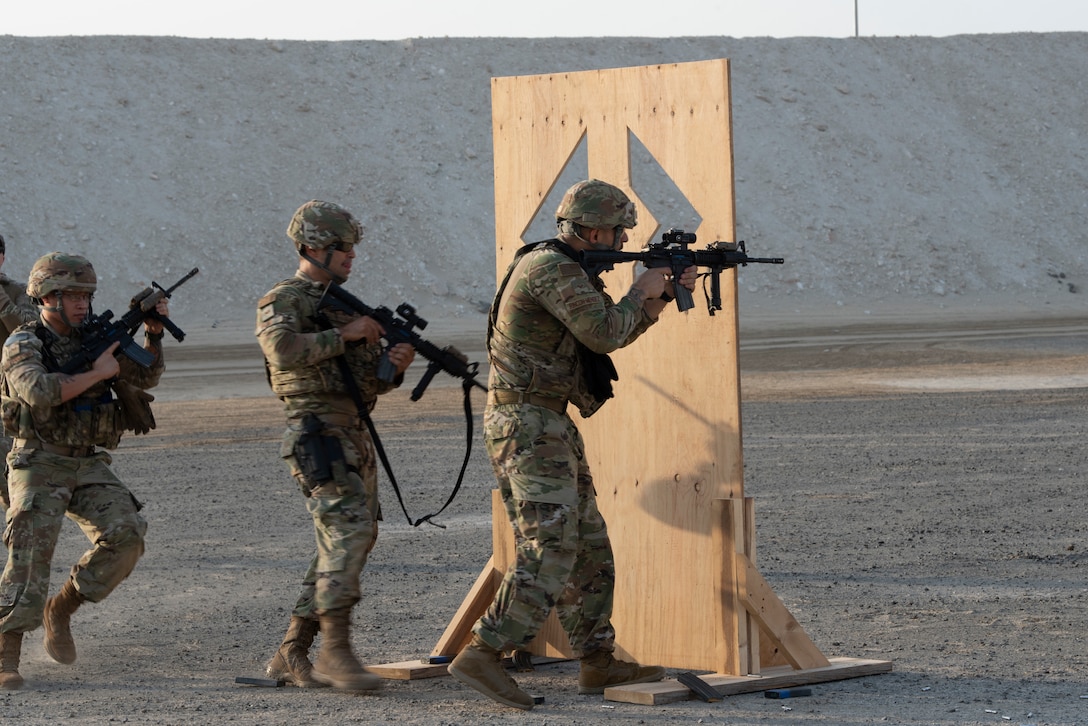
(326, 446)
(15, 309)
(551, 324)
(59, 423)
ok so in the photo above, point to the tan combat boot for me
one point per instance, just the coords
(600, 670)
(479, 666)
(11, 645)
(291, 663)
(336, 664)
(57, 623)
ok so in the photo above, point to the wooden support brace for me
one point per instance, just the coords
(459, 631)
(774, 619)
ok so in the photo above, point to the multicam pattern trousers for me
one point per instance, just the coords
(345, 514)
(45, 488)
(563, 557)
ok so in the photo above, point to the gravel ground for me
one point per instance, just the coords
(899, 516)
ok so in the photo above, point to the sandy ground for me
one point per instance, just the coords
(918, 497)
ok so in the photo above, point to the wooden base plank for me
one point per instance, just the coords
(414, 670)
(670, 691)
(409, 670)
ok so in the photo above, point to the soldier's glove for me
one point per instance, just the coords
(135, 407)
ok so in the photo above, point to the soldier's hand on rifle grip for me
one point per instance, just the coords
(394, 361)
(681, 293)
(652, 282)
(401, 356)
(363, 328)
(688, 280)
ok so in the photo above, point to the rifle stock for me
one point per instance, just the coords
(399, 328)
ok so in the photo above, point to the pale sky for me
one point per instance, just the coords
(399, 19)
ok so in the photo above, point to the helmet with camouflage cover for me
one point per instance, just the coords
(596, 204)
(318, 224)
(60, 271)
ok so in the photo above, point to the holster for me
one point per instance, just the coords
(317, 454)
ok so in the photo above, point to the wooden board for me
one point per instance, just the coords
(409, 670)
(669, 445)
(670, 691)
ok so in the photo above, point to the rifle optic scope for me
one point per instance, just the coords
(678, 237)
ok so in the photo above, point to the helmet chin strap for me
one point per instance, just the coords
(338, 279)
(59, 310)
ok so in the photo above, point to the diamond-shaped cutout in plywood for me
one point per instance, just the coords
(575, 170)
(659, 193)
(663, 203)
(679, 113)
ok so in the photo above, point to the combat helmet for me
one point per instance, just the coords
(318, 224)
(596, 204)
(60, 271)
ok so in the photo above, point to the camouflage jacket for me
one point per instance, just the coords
(31, 390)
(549, 304)
(15, 307)
(301, 347)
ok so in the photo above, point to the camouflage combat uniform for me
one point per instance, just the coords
(304, 373)
(57, 469)
(563, 556)
(15, 309)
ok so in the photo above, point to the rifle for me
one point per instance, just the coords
(101, 331)
(399, 328)
(673, 252)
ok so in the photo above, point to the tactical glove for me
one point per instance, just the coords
(135, 407)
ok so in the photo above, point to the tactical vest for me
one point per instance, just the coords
(589, 385)
(322, 377)
(93, 418)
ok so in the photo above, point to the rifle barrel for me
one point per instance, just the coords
(182, 281)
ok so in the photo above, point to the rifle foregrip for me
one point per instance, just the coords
(428, 375)
(178, 333)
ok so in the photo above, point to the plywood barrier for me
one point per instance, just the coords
(666, 452)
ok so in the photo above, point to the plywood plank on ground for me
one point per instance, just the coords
(670, 691)
(409, 670)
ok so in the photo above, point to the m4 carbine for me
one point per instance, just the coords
(102, 331)
(673, 252)
(400, 328)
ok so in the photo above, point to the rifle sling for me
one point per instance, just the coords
(49, 360)
(364, 414)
